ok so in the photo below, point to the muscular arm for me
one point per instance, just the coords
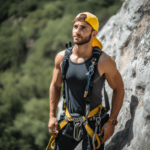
(55, 92)
(108, 66)
(114, 80)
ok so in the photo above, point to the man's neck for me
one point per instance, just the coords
(83, 51)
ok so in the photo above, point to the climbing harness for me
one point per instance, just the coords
(94, 114)
(83, 121)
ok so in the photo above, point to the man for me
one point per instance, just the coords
(85, 29)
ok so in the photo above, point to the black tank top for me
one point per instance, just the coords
(75, 84)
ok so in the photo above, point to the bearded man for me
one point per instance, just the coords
(67, 135)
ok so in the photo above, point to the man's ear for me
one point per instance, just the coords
(95, 33)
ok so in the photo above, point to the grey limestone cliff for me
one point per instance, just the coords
(126, 38)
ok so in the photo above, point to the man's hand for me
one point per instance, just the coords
(53, 123)
(108, 130)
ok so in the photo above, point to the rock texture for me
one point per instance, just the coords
(126, 38)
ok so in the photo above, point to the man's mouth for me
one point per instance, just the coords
(77, 36)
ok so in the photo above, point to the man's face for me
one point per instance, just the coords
(81, 32)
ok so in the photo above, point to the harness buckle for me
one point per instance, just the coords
(97, 118)
(77, 121)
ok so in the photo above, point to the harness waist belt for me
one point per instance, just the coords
(85, 123)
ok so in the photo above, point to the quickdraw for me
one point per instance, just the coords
(97, 118)
(90, 73)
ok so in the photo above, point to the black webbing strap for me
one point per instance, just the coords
(107, 106)
(68, 44)
(87, 93)
(64, 70)
(96, 54)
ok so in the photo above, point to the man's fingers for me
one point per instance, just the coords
(105, 139)
(55, 134)
(52, 132)
(105, 135)
(53, 126)
(56, 127)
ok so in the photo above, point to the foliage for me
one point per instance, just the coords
(31, 34)
(13, 45)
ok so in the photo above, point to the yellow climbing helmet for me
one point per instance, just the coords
(93, 21)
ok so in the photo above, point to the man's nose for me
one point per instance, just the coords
(78, 31)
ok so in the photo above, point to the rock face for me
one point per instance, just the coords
(126, 38)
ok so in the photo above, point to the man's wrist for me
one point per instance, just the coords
(113, 121)
(52, 116)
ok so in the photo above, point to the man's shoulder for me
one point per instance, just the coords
(59, 58)
(61, 54)
(105, 59)
(106, 64)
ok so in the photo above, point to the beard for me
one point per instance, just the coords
(84, 41)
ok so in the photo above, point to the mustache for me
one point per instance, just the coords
(76, 35)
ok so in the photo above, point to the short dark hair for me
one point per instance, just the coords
(81, 17)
